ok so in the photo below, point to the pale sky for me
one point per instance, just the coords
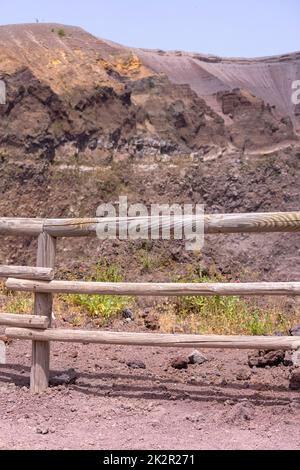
(246, 28)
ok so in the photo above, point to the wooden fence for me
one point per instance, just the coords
(40, 280)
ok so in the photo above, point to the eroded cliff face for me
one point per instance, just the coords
(267, 78)
(69, 93)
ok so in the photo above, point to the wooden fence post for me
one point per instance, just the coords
(39, 377)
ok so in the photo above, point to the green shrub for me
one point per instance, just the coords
(61, 32)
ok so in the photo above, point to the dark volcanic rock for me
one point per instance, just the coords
(128, 314)
(179, 363)
(266, 358)
(136, 364)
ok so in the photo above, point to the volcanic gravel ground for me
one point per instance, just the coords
(221, 404)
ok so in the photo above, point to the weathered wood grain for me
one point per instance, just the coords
(24, 321)
(156, 339)
(27, 272)
(213, 223)
(40, 361)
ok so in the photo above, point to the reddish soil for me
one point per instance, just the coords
(111, 406)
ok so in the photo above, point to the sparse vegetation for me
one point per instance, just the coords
(199, 314)
(147, 261)
(61, 32)
(17, 302)
(222, 315)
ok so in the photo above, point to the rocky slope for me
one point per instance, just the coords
(68, 89)
(87, 120)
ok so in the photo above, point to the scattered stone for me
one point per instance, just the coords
(196, 357)
(192, 380)
(74, 355)
(65, 378)
(266, 358)
(5, 339)
(128, 314)
(295, 380)
(239, 413)
(295, 330)
(42, 430)
(136, 364)
(196, 419)
(243, 374)
(128, 320)
(179, 363)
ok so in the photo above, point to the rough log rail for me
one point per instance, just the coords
(155, 289)
(213, 223)
(21, 226)
(156, 339)
(24, 321)
(27, 272)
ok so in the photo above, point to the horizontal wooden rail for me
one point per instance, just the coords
(24, 321)
(213, 223)
(20, 226)
(27, 272)
(156, 339)
(155, 289)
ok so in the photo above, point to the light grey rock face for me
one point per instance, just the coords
(196, 357)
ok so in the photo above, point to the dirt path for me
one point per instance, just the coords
(111, 406)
